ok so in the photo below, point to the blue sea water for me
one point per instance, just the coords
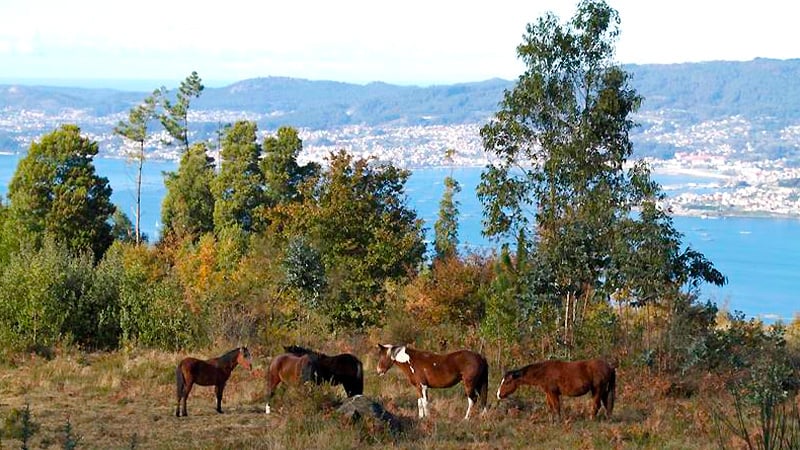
(758, 255)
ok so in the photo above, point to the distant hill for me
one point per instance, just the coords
(704, 90)
(753, 105)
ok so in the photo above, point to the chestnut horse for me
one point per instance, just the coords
(430, 370)
(344, 369)
(288, 368)
(573, 379)
(213, 372)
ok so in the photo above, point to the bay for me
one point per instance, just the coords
(758, 255)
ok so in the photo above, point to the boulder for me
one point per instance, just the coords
(358, 406)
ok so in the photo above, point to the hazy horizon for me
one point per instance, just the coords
(356, 41)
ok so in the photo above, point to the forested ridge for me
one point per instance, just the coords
(708, 90)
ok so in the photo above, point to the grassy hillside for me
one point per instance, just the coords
(127, 400)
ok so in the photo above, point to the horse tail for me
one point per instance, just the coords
(483, 386)
(612, 387)
(359, 385)
(179, 382)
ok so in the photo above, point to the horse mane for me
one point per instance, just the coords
(230, 355)
(300, 351)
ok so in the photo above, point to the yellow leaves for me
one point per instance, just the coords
(449, 292)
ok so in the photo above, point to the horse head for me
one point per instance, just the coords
(243, 358)
(391, 354)
(509, 384)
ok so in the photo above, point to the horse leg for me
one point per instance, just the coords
(471, 392)
(597, 395)
(186, 392)
(218, 391)
(422, 400)
(554, 405)
(271, 385)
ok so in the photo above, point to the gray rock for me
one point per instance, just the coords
(358, 406)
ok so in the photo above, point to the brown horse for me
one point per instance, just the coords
(573, 379)
(344, 369)
(430, 370)
(213, 372)
(288, 368)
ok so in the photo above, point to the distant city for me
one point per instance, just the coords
(728, 132)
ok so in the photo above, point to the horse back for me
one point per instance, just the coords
(578, 377)
(447, 370)
(292, 368)
(200, 372)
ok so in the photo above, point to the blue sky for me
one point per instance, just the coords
(404, 42)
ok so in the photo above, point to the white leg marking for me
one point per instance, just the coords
(267, 410)
(469, 407)
(425, 400)
(420, 407)
(500, 387)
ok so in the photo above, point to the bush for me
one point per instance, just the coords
(452, 291)
(42, 298)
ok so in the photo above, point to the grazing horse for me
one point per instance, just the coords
(430, 370)
(573, 379)
(213, 372)
(288, 368)
(344, 369)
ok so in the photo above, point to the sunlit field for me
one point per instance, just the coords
(127, 400)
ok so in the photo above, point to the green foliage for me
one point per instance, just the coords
(501, 322)
(69, 441)
(239, 187)
(56, 191)
(764, 414)
(175, 117)
(358, 219)
(135, 130)
(19, 424)
(42, 298)
(282, 174)
(188, 206)
(561, 139)
(445, 241)
(305, 271)
(152, 312)
(123, 230)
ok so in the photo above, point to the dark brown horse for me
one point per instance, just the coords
(430, 370)
(344, 369)
(213, 372)
(288, 368)
(573, 379)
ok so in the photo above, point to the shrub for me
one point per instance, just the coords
(452, 291)
(42, 298)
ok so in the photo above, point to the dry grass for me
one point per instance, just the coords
(127, 399)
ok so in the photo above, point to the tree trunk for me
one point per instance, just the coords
(139, 195)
